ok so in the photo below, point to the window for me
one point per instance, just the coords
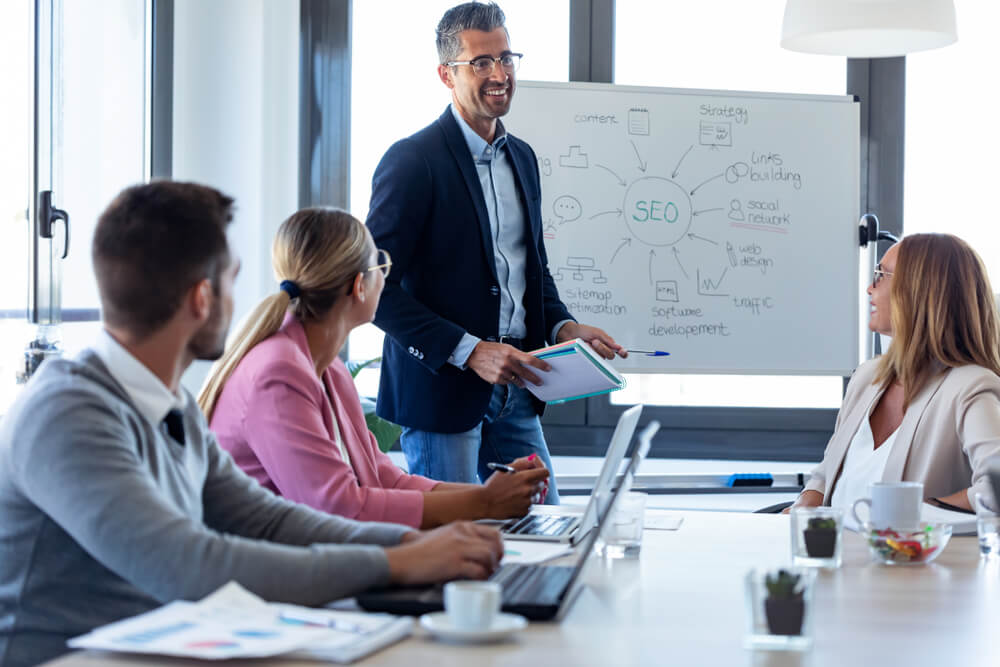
(99, 124)
(86, 140)
(729, 45)
(15, 186)
(389, 105)
(951, 148)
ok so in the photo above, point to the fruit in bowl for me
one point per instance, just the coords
(894, 547)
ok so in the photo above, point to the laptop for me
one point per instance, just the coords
(539, 592)
(574, 527)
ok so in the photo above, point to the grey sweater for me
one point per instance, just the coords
(103, 516)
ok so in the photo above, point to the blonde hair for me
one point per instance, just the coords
(321, 250)
(944, 314)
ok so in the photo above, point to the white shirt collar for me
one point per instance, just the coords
(152, 398)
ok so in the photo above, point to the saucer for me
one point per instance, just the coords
(503, 626)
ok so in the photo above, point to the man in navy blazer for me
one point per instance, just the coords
(458, 207)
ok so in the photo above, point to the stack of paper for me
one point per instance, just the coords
(234, 623)
(577, 372)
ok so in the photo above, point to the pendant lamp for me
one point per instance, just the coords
(867, 28)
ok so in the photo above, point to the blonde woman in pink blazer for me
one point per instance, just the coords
(284, 405)
(928, 410)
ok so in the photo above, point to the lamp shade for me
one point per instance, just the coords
(867, 28)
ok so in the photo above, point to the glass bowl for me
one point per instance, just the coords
(893, 547)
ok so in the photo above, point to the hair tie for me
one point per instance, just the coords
(291, 288)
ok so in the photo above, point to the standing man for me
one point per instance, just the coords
(458, 206)
(114, 495)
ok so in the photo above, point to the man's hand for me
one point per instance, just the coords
(602, 343)
(460, 550)
(509, 495)
(499, 363)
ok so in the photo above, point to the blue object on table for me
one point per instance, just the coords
(750, 479)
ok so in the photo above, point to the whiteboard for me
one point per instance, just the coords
(718, 226)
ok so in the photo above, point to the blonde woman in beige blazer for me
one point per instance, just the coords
(934, 397)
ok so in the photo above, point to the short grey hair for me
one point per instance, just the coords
(467, 16)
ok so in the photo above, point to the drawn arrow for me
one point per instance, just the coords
(642, 165)
(674, 173)
(625, 242)
(677, 256)
(652, 254)
(621, 181)
(617, 210)
(704, 210)
(704, 182)
(701, 238)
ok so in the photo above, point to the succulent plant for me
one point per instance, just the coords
(783, 585)
(821, 523)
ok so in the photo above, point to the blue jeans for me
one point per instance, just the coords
(510, 429)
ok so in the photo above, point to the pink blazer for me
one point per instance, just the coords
(276, 420)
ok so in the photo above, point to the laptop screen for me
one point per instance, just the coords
(606, 504)
(613, 458)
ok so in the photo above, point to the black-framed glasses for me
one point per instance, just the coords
(878, 275)
(483, 65)
(384, 263)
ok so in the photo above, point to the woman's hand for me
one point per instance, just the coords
(808, 498)
(529, 463)
(510, 494)
(461, 550)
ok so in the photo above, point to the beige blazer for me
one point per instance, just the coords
(948, 433)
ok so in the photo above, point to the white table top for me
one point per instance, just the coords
(682, 604)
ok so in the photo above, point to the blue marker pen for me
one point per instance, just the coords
(650, 353)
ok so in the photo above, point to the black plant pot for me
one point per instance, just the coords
(784, 617)
(820, 543)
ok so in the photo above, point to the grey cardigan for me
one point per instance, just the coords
(104, 516)
(948, 433)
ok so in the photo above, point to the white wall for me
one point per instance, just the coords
(235, 124)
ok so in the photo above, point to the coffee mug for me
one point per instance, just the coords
(893, 505)
(472, 605)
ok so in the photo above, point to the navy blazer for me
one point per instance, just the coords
(428, 210)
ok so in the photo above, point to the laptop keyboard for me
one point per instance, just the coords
(540, 524)
(532, 584)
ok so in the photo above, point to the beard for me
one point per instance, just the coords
(210, 341)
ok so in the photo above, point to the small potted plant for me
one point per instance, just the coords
(820, 536)
(784, 605)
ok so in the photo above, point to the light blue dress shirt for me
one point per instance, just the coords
(507, 224)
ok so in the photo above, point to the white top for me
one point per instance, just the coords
(152, 398)
(340, 442)
(863, 465)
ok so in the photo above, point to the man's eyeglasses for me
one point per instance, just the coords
(483, 65)
(879, 275)
(384, 263)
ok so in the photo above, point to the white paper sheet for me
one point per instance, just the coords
(530, 551)
(661, 522)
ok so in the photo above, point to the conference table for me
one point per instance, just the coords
(682, 603)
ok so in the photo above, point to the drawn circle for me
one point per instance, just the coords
(736, 171)
(657, 211)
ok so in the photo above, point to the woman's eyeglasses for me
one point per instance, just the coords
(384, 263)
(879, 275)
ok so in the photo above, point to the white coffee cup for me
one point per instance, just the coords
(472, 605)
(893, 505)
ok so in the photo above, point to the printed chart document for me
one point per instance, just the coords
(234, 623)
(577, 372)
